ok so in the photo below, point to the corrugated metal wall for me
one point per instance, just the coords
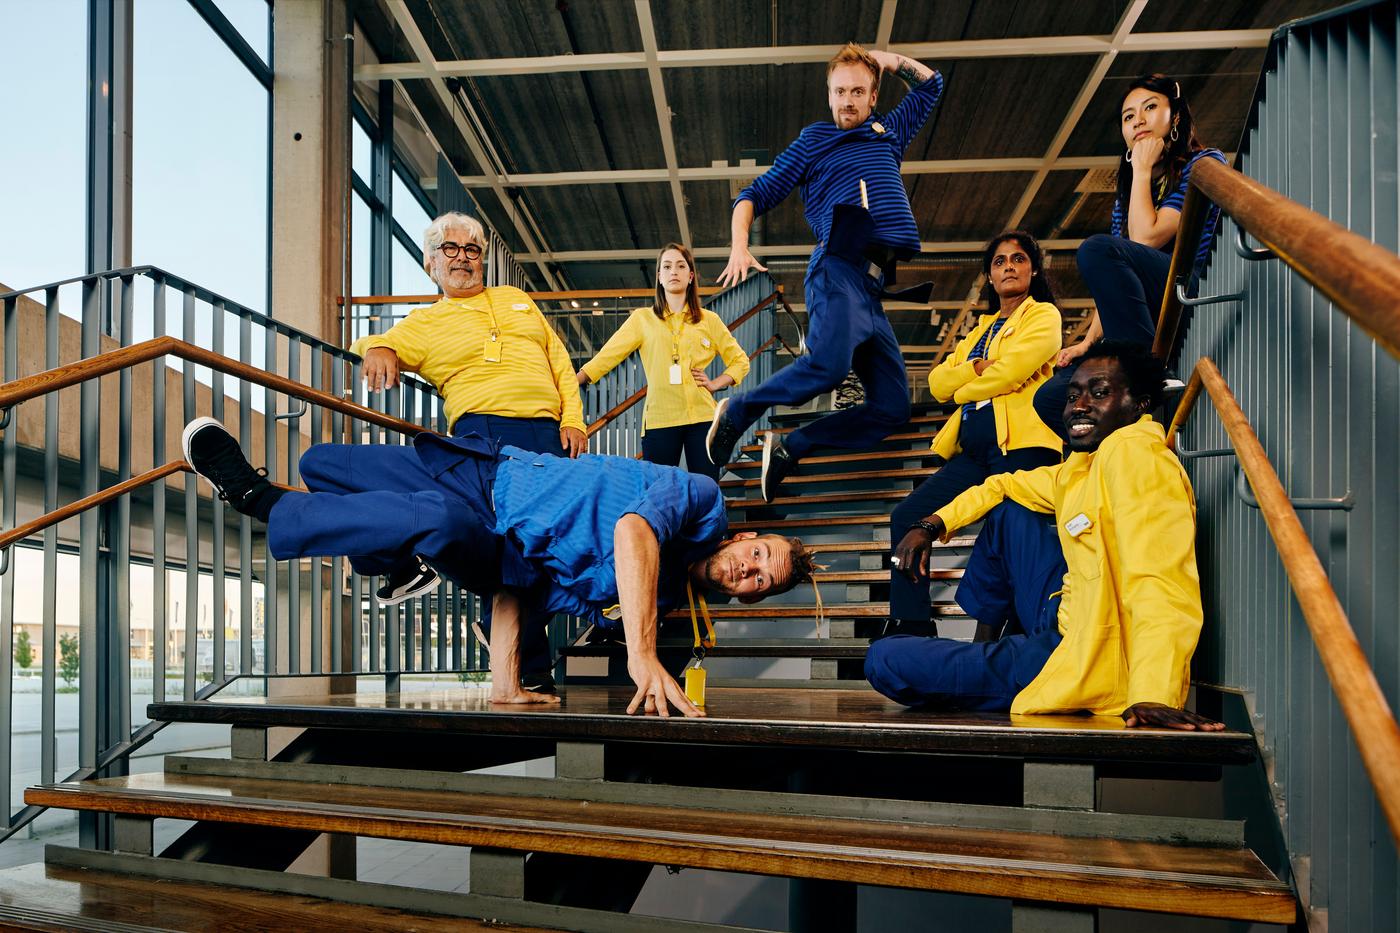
(1325, 401)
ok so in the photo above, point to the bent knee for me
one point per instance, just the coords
(318, 463)
(1096, 248)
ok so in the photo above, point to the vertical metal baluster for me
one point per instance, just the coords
(368, 633)
(191, 518)
(270, 633)
(317, 583)
(293, 434)
(337, 568)
(7, 580)
(245, 522)
(376, 626)
(218, 579)
(52, 401)
(120, 536)
(92, 611)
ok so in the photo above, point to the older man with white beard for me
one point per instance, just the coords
(502, 372)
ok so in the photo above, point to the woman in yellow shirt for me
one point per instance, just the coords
(992, 374)
(677, 339)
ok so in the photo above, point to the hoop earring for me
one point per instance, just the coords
(1129, 157)
(1174, 133)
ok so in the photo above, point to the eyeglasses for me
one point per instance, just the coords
(470, 250)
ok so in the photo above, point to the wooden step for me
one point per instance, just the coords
(902, 437)
(882, 576)
(799, 480)
(60, 898)
(883, 547)
(918, 453)
(769, 610)
(830, 648)
(835, 498)
(912, 424)
(1228, 882)
(780, 525)
(916, 410)
(852, 719)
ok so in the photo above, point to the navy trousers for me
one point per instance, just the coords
(1127, 281)
(979, 459)
(541, 436)
(847, 330)
(664, 446)
(1013, 577)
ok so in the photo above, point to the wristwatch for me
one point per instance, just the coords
(930, 527)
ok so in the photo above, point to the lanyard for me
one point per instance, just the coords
(490, 310)
(701, 644)
(676, 333)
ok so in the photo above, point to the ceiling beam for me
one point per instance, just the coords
(728, 172)
(663, 116)
(519, 218)
(1121, 33)
(886, 26)
(797, 250)
(794, 54)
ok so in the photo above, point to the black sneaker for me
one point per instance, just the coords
(214, 454)
(778, 465)
(722, 436)
(409, 579)
(538, 682)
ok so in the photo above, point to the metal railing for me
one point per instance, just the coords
(217, 605)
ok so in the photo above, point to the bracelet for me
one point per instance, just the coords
(930, 527)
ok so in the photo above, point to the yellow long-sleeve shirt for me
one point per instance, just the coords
(1021, 355)
(695, 345)
(446, 344)
(1131, 611)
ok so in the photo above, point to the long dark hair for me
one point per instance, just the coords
(692, 291)
(1040, 290)
(1178, 151)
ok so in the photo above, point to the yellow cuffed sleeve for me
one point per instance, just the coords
(410, 339)
(1035, 489)
(1020, 355)
(624, 341)
(1154, 532)
(736, 361)
(565, 380)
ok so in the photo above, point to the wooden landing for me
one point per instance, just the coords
(58, 898)
(856, 719)
(1216, 881)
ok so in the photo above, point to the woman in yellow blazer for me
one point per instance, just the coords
(677, 339)
(992, 374)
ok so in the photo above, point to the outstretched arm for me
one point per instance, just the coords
(741, 261)
(638, 555)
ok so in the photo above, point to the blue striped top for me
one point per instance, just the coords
(1174, 199)
(560, 515)
(979, 352)
(829, 163)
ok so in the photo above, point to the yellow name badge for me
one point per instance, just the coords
(491, 350)
(695, 682)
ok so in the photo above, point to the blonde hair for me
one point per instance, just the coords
(852, 54)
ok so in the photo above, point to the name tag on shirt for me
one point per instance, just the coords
(704, 341)
(675, 374)
(1078, 525)
(491, 350)
(520, 306)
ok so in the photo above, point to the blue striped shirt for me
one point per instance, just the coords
(979, 352)
(1174, 199)
(560, 515)
(829, 163)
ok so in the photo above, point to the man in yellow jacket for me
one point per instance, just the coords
(1092, 562)
(501, 370)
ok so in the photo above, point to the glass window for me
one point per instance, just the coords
(250, 18)
(43, 162)
(408, 212)
(408, 277)
(199, 154)
(360, 154)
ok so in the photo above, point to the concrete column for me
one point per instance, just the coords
(310, 163)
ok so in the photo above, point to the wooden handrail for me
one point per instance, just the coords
(21, 390)
(612, 414)
(1363, 702)
(102, 496)
(584, 293)
(1188, 237)
(1360, 277)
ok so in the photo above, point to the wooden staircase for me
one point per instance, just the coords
(800, 771)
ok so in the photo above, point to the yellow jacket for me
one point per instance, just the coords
(1131, 611)
(697, 344)
(445, 343)
(1022, 355)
